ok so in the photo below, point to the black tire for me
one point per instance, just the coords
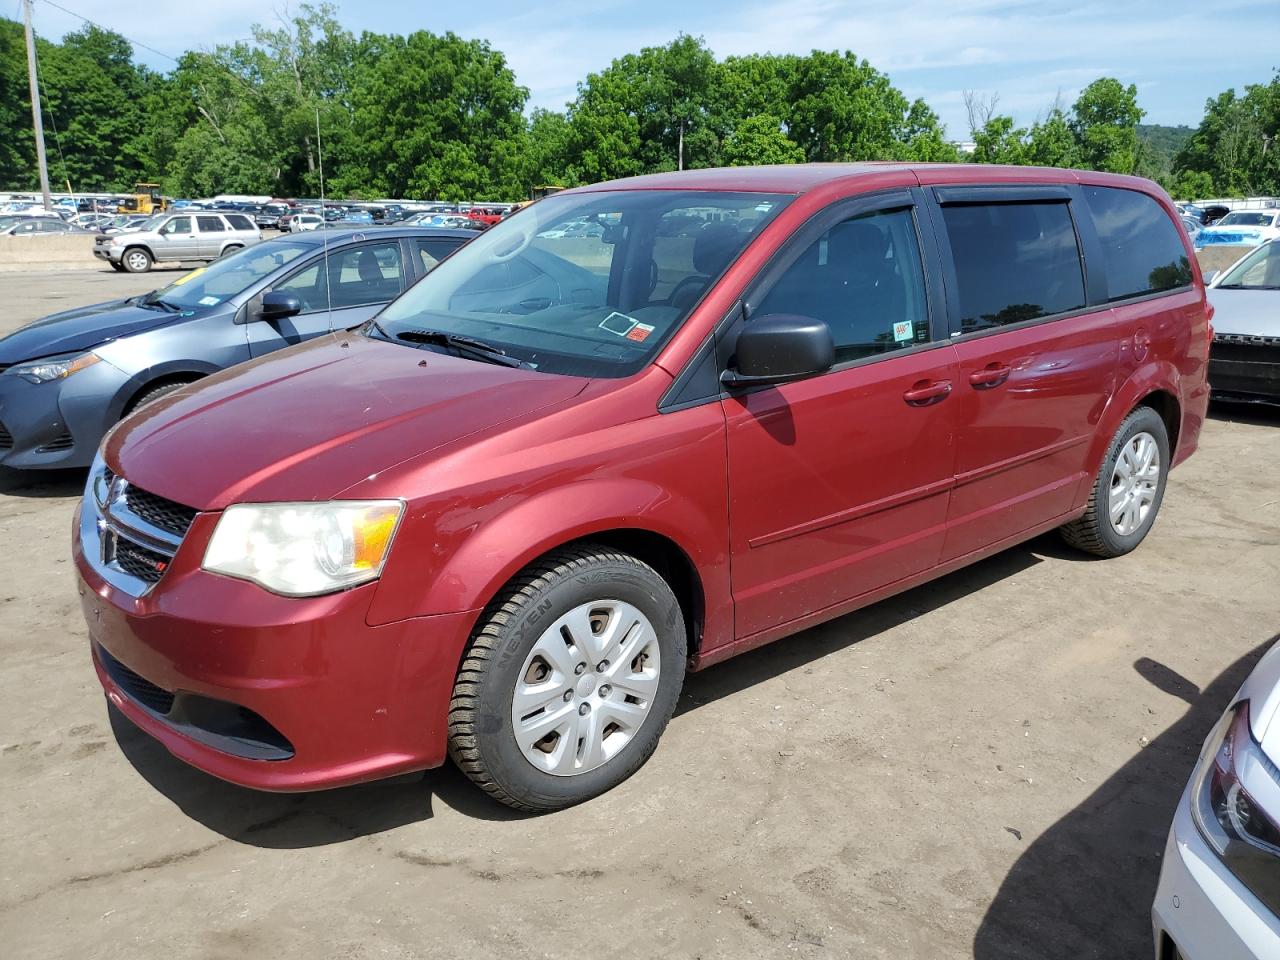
(482, 741)
(1094, 532)
(230, 248)
(117, 267)
(136, 260)
(153, 394)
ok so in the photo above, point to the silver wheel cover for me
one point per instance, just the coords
(1134, 482)
(586, 688)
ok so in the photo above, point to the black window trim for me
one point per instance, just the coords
(721, 340)
(1087, 244)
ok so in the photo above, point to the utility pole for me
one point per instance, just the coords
(680, 158)
(35, 106)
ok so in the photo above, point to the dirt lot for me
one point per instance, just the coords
(985, 766)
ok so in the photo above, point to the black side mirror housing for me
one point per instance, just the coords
(779, 347)
(277, 306)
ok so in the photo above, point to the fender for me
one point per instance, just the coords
(192, 368)
(1152, 376)
(496, 550)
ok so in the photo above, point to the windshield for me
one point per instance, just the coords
(1260, 270)
(1241, 219)
(587, 284)
(227, 276)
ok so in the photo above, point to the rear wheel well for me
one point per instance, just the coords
(1166, 405)
(170, 380)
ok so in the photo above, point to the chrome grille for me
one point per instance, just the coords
(130, 535)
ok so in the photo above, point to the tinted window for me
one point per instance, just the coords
(210, 224)
(1014, 262)
(862, 278)
(433, 251)
(1141, 249)
(239, 221)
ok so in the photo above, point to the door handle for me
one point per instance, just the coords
(992, 375)
(926, 392)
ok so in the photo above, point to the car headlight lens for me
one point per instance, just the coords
(304, 549)
(55, 368)
(1235, 784)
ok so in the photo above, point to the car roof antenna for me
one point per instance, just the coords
(324, 233)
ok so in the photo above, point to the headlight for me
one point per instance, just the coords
(1234, 781)
(304, 549)
(55, 368)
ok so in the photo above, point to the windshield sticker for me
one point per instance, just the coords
(619, 324)
(208, 301)
(640, 332)
(190, 276)
(903, 331)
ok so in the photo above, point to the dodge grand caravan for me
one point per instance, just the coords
(501, 520)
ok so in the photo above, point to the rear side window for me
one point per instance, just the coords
(432, 251)
(1014, 262)
(239, 221)
(210, 224)
(1141, 249)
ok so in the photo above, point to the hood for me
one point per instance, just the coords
(1248, 313)
(307, 422)
(81, 329)
(1262, 690)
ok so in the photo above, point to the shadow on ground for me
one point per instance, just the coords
(332, 816)
(1084, 888)
(42, 484)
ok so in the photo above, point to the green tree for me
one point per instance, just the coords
(1105, 121)
(435, 117)
(1051, 142)
(545, 156)
(999, 141)
(759, 140)
(1236, 143)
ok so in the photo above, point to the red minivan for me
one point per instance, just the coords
(633, 430)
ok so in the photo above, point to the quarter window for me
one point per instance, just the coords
(1013, 262)
(432, 251)
(1141, 250)
(863, 278)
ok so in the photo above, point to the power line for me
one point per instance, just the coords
(136, 43)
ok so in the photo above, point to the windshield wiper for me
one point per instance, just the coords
(476, 349)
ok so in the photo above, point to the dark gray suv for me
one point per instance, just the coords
(68, 378)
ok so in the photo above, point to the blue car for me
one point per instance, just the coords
(67, 379)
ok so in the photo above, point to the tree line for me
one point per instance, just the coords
(442, 117)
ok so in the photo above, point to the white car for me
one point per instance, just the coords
(1246, 228)
(305, 221)
(1219, 893)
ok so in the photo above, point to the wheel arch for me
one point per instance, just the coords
(140, 385)
(1156, 385)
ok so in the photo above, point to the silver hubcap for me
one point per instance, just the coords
(1133, 483)
(586, 687)
(137, 261)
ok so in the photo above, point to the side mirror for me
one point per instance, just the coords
(277, 306)
(779, 347)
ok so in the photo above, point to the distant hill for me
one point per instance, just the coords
(1157, 146)
(1165, 140)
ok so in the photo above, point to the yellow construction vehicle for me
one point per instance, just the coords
(146, 199)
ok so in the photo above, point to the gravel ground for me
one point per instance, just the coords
(985, 766)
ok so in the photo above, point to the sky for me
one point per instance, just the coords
(1027, 53)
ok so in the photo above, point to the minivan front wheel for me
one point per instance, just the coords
(570, 679)
(1128, 490)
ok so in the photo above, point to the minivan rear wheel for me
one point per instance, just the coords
(1128, 489)
(570, 679)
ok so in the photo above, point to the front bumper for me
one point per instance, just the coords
(270, 692)
(1201, 909)
(1245, 367)
(59, 424)
(104, 251)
